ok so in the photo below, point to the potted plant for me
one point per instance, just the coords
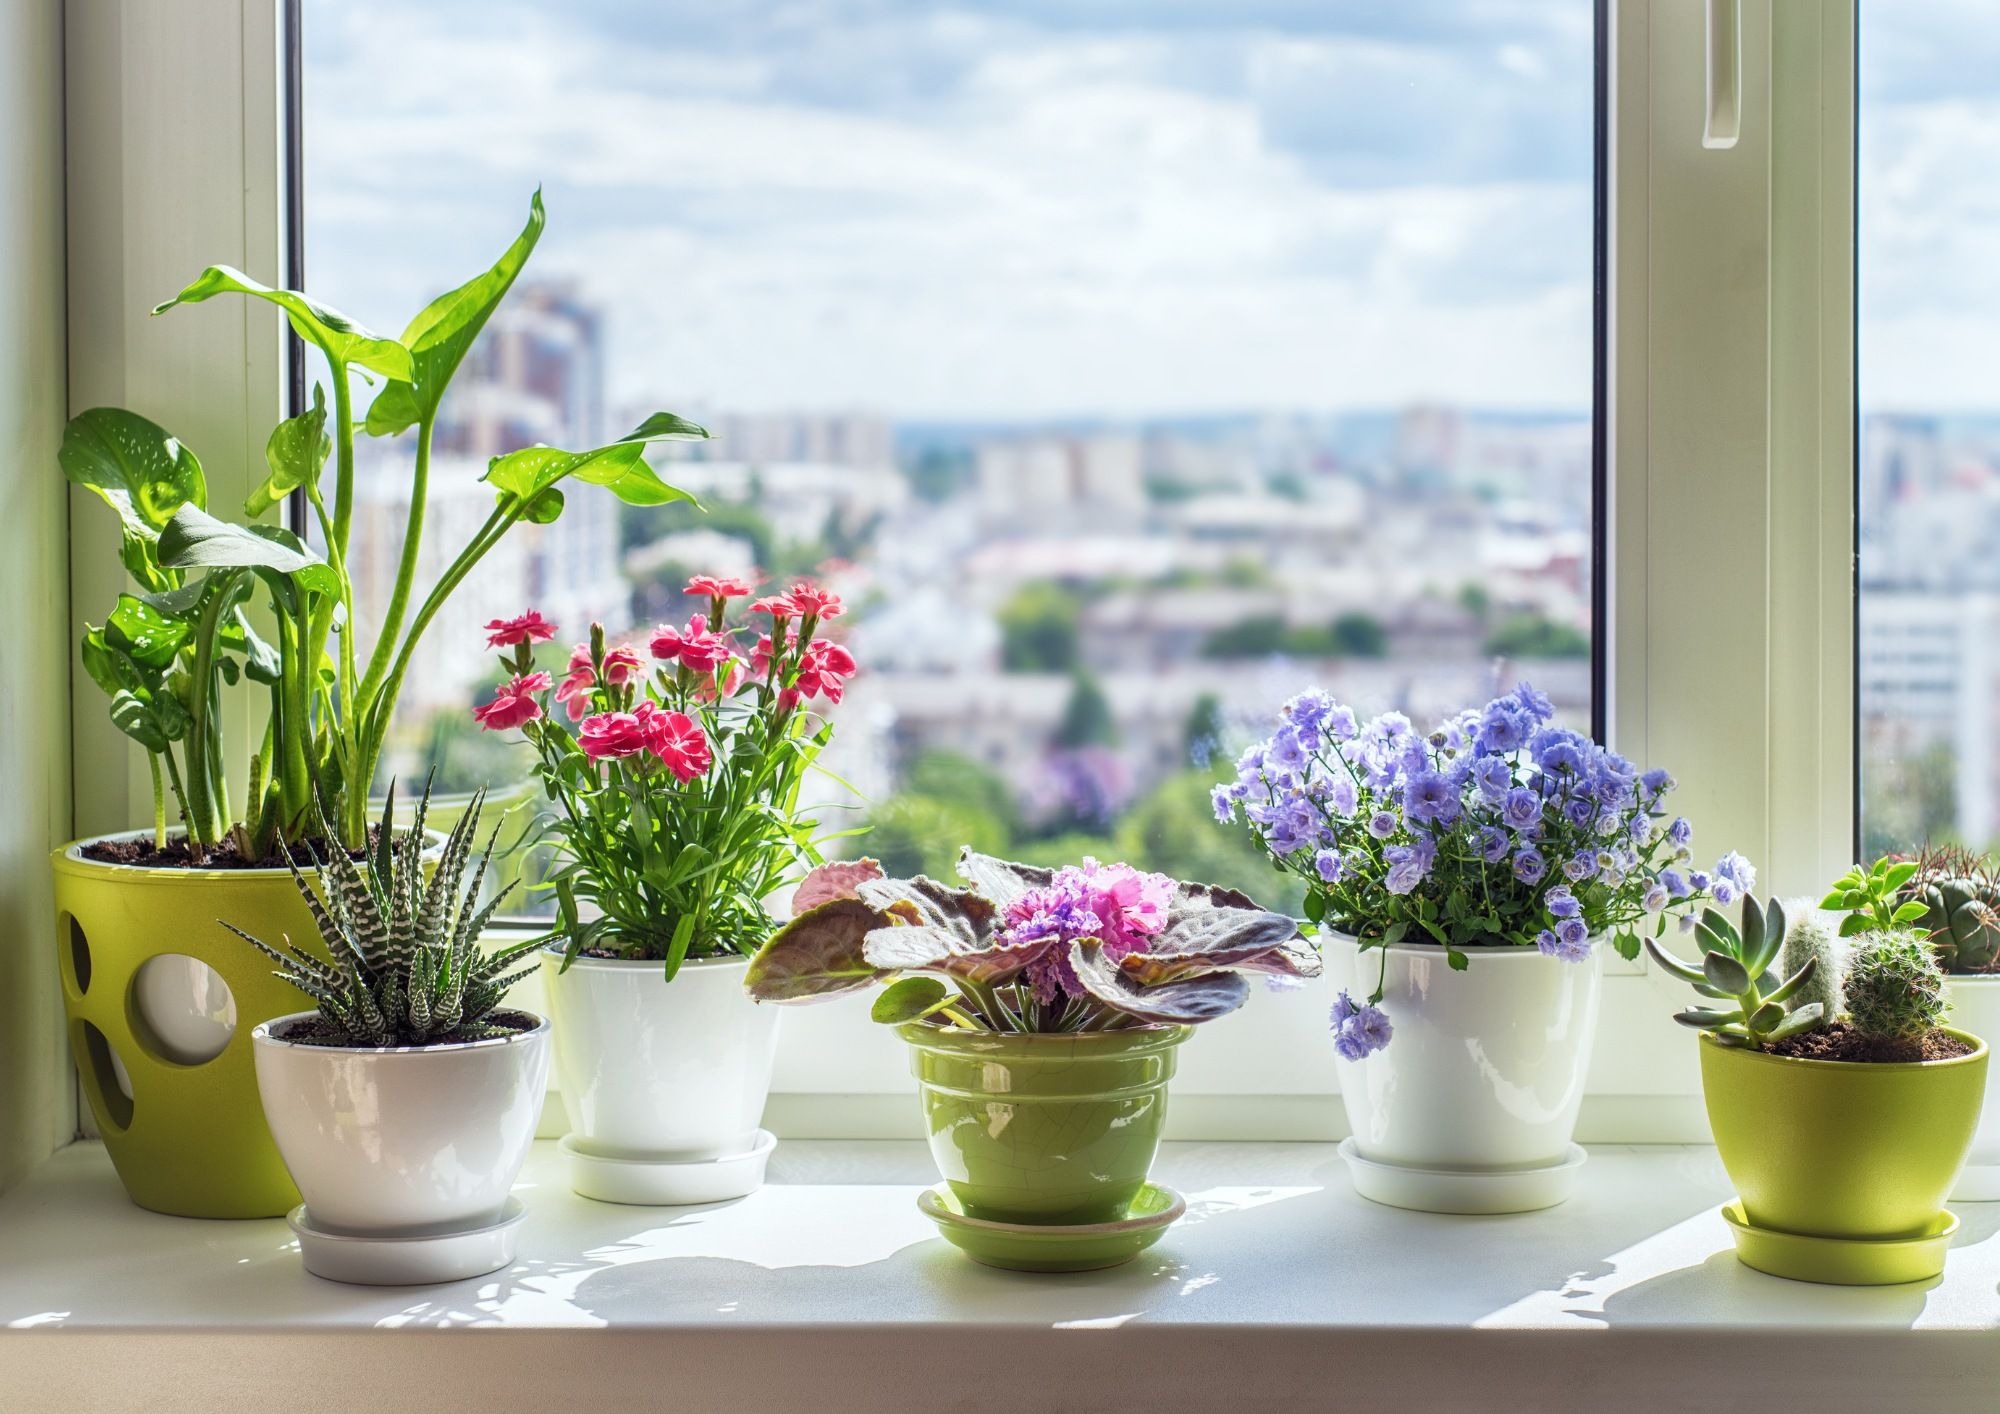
(1043, 1010)
(674, 780)
(1950, 894)
(404, 1102)
(159, 1004)
(1841, 1108)
(1500, 847)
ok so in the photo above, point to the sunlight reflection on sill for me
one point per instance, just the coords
(1097, 1323)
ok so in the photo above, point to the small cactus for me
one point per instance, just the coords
(1895, 991)
(1811, 940)
(1961, 907)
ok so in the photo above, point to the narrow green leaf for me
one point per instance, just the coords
(333, 333)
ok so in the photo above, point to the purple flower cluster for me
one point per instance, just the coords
(1358, 1029)
(1500, 826)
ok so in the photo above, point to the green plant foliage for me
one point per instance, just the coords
(1894, 990)
(947, 775)
(1871, 897)
(1087, 719)
(918, 834)
(406, 967)
(1735, 967)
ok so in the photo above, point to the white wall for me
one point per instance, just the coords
(37, 1102)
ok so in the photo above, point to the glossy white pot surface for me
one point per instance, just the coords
(404, 1140)
(651, 1069)
(1485, 1067)
(1975, 1007)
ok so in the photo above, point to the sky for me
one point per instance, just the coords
(1043, 208)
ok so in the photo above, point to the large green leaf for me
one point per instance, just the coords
(295, 452)
(141, 471)
(445, 328)
(333, 333)
(620, 465)
(816, 956)
(195, 539)
(144, 634)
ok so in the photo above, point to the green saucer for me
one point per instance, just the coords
(1841, 1261)
(1036, 1247)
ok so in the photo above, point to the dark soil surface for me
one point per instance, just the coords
(313, 1031)
(1841, 1042)
(140, 852)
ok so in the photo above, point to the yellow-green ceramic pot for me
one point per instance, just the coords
(1044, 1128)
(1842, 1149)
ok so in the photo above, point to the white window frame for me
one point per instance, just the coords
(1728, 426)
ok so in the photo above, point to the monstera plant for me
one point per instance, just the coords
(168, 650)
(1093, 947)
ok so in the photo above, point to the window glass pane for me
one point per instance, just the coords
(1125, 366)
(1929, 448)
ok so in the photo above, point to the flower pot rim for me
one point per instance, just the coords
(554, 951)
(1427, 946)
(262, 1036)
(1972, 978)
(1977, 1052)
(69, 858)
(1150, 1036)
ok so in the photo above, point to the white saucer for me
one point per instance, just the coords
(1980, 1183)
(616, 1178)
(1464, 1190)
(419, 1260)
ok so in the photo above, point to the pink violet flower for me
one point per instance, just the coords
(710, 587)
(1112, 903)
(575, 687)
(621, 665)
(530, 627)
(694, 646)
(513, 704)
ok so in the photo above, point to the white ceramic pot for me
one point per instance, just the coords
(665, 1072)
(1485, 1067)
(1975, 1007)
(403, 1140)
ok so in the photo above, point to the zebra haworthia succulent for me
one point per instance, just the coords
(406, 966)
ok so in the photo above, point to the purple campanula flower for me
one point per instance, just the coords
(1573, 932)
(1342, 796)
(1680, 832)
(1608, 824)
(1503, 727)
(1656, 898)
(1430, 799)
(1687, 922)
(1224, 805)
(1522, 808)
(1493, 844)
(1641, 829)
(1529, 866)
(1579, 811)
(1382, 824)
(1656, 781)
(1700, 881)
(1493, 777)
(1723, 892)
(1737, 870)
(1288, 752)
(1344, 1010)
(1535, 704)
(1561, 903)
(1406, 868)
(1309, 709)
(1330, 866)
(1579, 867)
(1363, 1033)
(1561, 757)
(1674, 883)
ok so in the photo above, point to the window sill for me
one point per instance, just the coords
(828, 1287)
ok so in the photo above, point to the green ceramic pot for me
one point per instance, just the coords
(1044, 1129)
(1841, 1148)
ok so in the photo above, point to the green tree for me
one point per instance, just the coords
(1530, 635)
(1086, 718)
(1172, 829)
(921, 834)
(1201, 738)
(1256, 637)
(1358, 635)
(938, 475)
(1038, 629)
(1071, 847)
(947, 775)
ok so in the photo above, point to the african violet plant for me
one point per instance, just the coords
(1499, 827)
(406, 966)
(675, 777)
(165, 654)
(1091, 947)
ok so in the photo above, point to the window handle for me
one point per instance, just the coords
(1724, 118)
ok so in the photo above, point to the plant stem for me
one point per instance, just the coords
(406, 567)
(159, 802)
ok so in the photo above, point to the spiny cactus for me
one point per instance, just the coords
(1735, 966)
(1895, 991)
(1810, 940)
(406, 968)
(1960, 900)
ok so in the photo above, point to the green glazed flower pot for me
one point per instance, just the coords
(1842, 1149)
(1044, 1128)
